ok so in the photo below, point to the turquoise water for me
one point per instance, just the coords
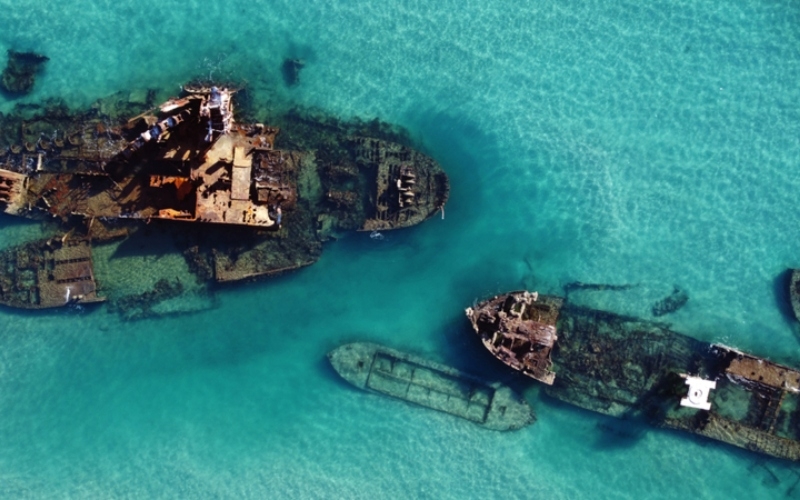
(603, 142)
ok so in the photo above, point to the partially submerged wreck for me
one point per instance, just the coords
(419, 381)
(622, 366)
(242, 205)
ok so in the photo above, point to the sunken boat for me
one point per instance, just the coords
(625, 367)
(240, 200)
(410, 378)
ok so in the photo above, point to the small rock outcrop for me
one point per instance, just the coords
(671, 303)
(291, 71)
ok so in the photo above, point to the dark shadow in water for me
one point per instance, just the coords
(484, 279)
(473, 158)
(782, 475)
(362, 242)
(325, 371)
(467, 153)
(463, 150)
(780, 289)
(150, 243)
(301, 51)
(615, 433)
(462, 349)
(296, 57)
(11, 221)
(290, 70)
(228, 344)
(231, 341)
(612, 433)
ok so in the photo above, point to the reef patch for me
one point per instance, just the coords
(19, 75)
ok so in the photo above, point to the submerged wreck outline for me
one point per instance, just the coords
(385, 371)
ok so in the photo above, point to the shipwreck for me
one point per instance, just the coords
(623, 367)
(244, 204)
(422, 382)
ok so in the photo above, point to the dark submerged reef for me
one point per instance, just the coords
(671, 303)
(19, 75)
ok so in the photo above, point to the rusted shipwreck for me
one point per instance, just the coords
(410, 378)
(622, 366)
(244, 204)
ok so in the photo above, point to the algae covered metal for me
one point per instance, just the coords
(410, 378)
(245, 200)
(622, 366)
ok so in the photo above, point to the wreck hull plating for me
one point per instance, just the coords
(403, 376)
(625, 367)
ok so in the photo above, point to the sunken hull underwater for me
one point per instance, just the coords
(403, 376)
(625, 367)
(243, 200)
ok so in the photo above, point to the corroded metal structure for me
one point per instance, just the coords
(244, 205)
(416, 380)
(622, 366)
(520, 330)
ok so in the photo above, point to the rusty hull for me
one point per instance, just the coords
(519, 329)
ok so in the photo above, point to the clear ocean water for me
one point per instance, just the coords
(650, 143)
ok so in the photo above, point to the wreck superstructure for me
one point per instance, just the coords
(200, 166)
(622, 366)
(520, 330)
(389, 372)
(189, 162)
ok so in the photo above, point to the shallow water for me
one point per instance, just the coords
(602, 142)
